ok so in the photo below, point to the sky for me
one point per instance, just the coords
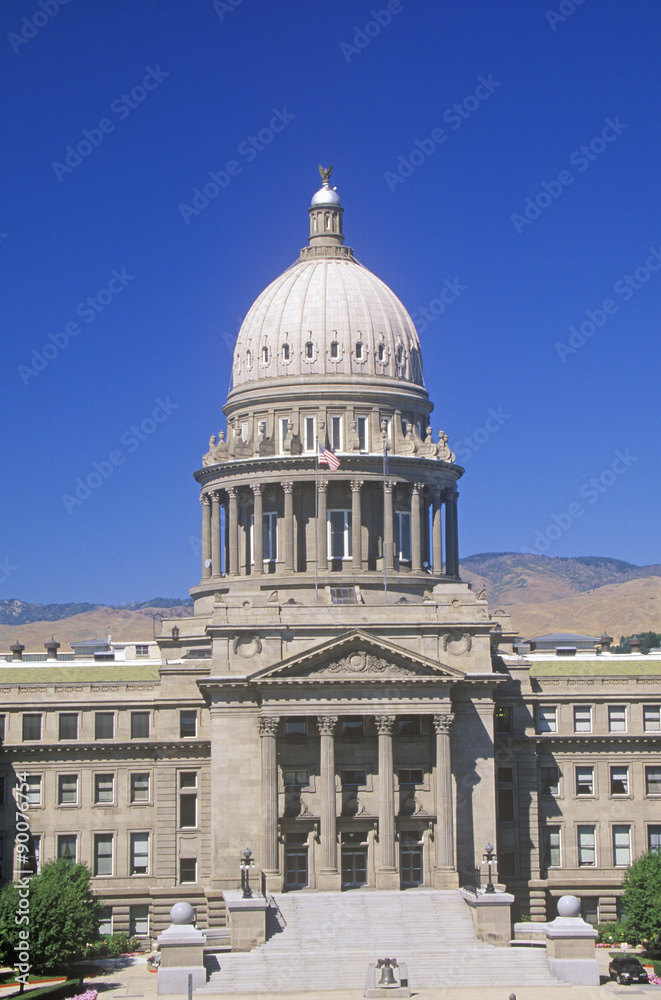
(498, 164)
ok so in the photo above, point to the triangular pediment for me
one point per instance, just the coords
(357, 656)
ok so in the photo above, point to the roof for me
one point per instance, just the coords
(86, 672)
(641, 666)
(564, 637)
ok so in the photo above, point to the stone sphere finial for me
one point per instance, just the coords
(569, 906)
(182, 913)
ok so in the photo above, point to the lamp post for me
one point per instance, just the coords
(488, 858)
(246, 862)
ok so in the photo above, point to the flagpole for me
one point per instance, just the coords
(385, 560)
(316, 528)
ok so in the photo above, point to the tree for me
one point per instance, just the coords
(54, 914)
(642, 899)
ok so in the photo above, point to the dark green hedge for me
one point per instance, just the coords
(56, 991)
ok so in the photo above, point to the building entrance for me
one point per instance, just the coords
(410, 861)
(296, 862)
(354, 861)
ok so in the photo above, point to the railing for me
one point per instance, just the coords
(470, 879)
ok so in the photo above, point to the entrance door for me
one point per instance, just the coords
(296, 867)
(354, 866)
(410, 864)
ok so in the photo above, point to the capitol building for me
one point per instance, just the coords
(340, 702)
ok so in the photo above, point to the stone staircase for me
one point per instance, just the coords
(325, 940)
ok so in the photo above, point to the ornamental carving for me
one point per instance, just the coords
(457, 643)
(443, 723)
(268, 725)
(384, 724)
(327, 724)
(247, 645)
(364, 663)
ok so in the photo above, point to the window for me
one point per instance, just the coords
(408, 725)
(654, 838)
(139, 787)
(33, 858)
(31, 727)
(139, 725)
(652, 718)
(187, 870)
(285, 357)
(283, 424)
(139, 920)
(585, 780)
(507, 864)
(336, 433)
(270, 536)
(104, 789)
(582, 719)
(309, 350)
(617, 719)
(505, 794)
(550, 777)
(104, 725)
(187, 723)
(653, 779)
(309, 434)
(105, 920)
(68, 726)
(619, 780)
(590, 909)
(187, 798)
(361, 428)
(546, 719)
(66, 847)
(403, 535)
(3, 791)
(503, 717)
(265, 355)
(142, 649)
(411, 776)
(139, 854)
(339, 534)
(334, 350)
(3, 720)
(359, 350)
(343, 595)
(296, 778)
(296, 727)
(621, 845)
(381, 352)
(353, 725)
(586, 846)
(103, 853)
(353, 777)
(67, 789)
(551, 842)
(33, 797)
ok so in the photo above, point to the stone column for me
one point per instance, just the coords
(387, 876)
(257, 529)
(233, 546)
(289, 527)
(215, 533)
(322, 530)
(437, 532)
(444, 877)
(268, 728)
(388, 537)
(356, 526)
(451, 535)
(329, 877)
(416, 530)
(205, 500)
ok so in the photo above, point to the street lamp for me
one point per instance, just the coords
(246, 862)
(489, 858)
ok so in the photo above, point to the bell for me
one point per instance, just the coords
(387, 975)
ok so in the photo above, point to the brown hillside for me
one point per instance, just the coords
(134, 626)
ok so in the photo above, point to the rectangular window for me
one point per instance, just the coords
(103, 853)
(66, 847)
(403, 535)
(653, 779)
(142, 649)
(33, 859)
(296, 727)
(296, 778)
(551, 841)
(363, 441)
(619, 780)
(582, 719)
(505, 794)
(507, 864)
(3, 720)
(270, 536)
(139, 920)
(590, 909)
(617, 719)
(353, 776)
(654, 838)
(309, 435)
(187, 798)
(503, 719)
(336, 433)
(67, 789)
(408, 725)
(187, 723)
(68, 726)
(104, 725)
(31, 727)
(105, 920)
(353, 725)
(104, 789)
(139, 854)
(139, 725)
(140, 787)
(652, 718)
(586, 846)
(550, 780)
(33, 796)
(546, 718)
(411, 776)
(283, 426)
(585, 780)
(621, 845)
(339, 534)
(187, 870)
(3, 791)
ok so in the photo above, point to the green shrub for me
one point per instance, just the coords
(112, 946)
(57, 991)
(615, 932)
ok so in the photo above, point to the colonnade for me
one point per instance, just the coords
(426, 546)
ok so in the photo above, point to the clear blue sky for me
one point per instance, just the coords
(435, 198)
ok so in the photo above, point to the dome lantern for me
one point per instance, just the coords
(326, 215)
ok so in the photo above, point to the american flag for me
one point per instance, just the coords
(326, 457)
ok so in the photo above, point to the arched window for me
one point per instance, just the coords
(309, 350)
(359, 349)
(381, 352)
(285, 352)
(248, 358)
(334, 350)
(400, 354)
(265, 354)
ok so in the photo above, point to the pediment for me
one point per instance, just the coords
(357, 656)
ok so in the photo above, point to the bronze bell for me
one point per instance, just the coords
(387, 974)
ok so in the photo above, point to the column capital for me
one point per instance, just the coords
(268, 725)
(288, 486)
(389, 485)
(355, 485)
(322, 485)
(231, 491)
(256, 489)
(327, 724)
(385, 724)
(205, 498)
(417, 488)
(443, 722)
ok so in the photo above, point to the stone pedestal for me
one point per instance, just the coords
(570, 944)
(491, 913)
(247, 919)
(402, 989)
(182, 948)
